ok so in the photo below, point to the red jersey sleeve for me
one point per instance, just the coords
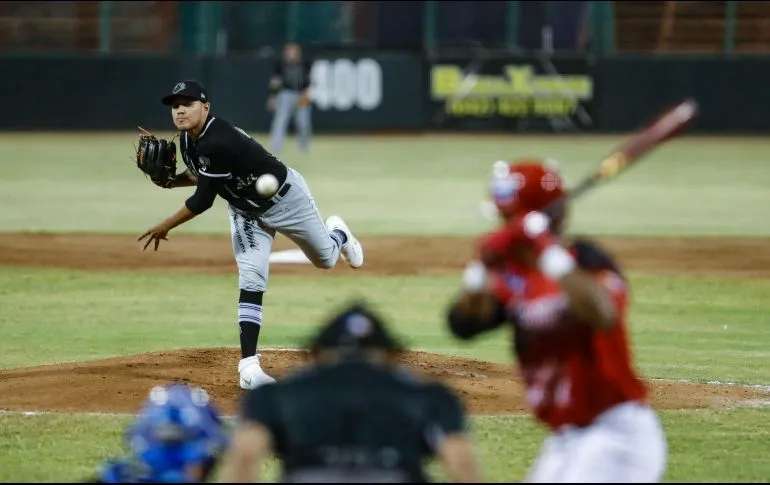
(494, 246)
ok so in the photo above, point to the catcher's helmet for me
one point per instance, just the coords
(176, 428)
(524, 185)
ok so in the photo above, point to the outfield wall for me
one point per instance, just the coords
(369, 91)
(733, 93)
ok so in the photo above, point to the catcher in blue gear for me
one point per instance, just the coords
(177, 437)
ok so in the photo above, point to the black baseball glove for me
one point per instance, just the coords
(157, 159)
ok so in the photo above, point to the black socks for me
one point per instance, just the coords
(250, 321)
(249, 338)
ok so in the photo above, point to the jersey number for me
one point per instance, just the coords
(547, 385)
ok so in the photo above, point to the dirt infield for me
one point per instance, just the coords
(121, 384)
(724, 256)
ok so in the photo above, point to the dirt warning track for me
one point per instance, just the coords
(387, 255)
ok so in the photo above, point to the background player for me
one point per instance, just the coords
(223, 160)
(290, 94)
(567, 306)
(352, 416)
(177, 437)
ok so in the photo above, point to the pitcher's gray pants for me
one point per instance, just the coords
(285, 105)
(294, 215)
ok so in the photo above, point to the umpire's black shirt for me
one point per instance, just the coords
(355, 417)
(227, 162)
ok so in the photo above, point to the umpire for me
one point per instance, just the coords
(290, 94)
(351, 416)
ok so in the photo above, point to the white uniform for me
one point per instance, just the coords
(623, 444)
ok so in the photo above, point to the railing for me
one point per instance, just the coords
(215, 28)
(88, 26)
(726, 27)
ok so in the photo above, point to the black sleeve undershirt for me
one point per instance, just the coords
(204, 195)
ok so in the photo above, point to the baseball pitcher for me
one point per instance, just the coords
(264, 196)
(567, 304)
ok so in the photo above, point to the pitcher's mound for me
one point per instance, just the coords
(121, 384)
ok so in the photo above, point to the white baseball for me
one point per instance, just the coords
(267, 185)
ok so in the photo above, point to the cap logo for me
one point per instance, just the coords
(203, 96)
(178, 87)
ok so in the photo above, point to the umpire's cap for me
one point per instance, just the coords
(190, 89)
(355, 328)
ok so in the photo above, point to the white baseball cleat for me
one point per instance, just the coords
(352, 250)
(251, 373)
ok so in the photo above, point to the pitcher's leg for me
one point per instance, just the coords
(297, 217)
(251, 247)
(311, 235)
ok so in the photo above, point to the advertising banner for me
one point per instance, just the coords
(354, 91)
(520, 94)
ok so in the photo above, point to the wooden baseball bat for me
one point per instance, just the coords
(664, 127)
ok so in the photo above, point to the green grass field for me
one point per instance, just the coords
(700, 328)
(704, 446)
(696, 185)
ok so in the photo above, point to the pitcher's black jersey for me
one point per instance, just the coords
(227, 162)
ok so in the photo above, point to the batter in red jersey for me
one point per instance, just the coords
(567, 304)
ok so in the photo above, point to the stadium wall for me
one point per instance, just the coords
(733, 93)
(392, 91)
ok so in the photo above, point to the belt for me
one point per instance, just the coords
(266, 204)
